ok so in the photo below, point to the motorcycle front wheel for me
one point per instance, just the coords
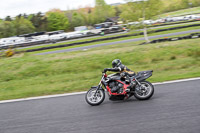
(95, 99)
(145, 91)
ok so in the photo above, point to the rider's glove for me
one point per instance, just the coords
(105, 70)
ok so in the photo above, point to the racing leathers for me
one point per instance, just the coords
(125, 72)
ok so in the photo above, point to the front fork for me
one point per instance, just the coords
(140, 85)
(137, 82)
(99, 86)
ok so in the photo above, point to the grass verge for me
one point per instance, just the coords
(28, 75)
(182, 12)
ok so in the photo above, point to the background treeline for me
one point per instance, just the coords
(56, 19)
(174, 5)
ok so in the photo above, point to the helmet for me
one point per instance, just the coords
(116, 63)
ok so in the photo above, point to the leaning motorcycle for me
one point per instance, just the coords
(116, 86)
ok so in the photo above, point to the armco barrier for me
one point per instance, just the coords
(163, 24)
(174, 39)
(191, 36)
(174, 28)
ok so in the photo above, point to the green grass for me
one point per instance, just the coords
(182, 12)
(27, 75)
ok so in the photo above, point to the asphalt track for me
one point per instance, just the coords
(119, 42)
(174, 108)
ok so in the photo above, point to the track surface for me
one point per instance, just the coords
(174, 108)
(118, 42)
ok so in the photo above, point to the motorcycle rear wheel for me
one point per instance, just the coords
(97, 99)
(145, 91)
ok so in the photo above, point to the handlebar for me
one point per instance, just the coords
(104, 74)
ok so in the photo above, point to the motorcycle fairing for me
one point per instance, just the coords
(143, 75)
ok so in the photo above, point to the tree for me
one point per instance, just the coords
(142, 10)
(185, 4)
(195, 3)
(77, 20)
(118, 10)
(8, 18)
(7, 29)
(23, 26)
(57, 20)
(39, 21)
(25, 15)
(85, 13)
(102, 11)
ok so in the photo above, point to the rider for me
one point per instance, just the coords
(125, 72)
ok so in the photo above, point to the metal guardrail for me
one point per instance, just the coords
(191, 36)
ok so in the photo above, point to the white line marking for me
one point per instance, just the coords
(42, 97)
(78, 93)
(176, 81)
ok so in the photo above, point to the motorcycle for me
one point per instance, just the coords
(116, 86)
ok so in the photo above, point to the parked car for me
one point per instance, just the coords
(41, 37)
(133, 23)
(58, 36)
(11, 41)
(191, 17)
(148, 22)
(169, 19)
(74, 34)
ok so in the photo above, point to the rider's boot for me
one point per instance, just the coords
(127, 96)
(132, 84)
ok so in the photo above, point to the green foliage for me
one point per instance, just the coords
(18, 26)
(23, 26)
(134, 11)
(182, 12)
(8, 18)
(102, 11)
(180, 4)
(57, 21)
(39, 21)
(195, 3)
(77, 20)
(118, 10)
(185, 4)
(140, 11)
(7, 29)
(89, 16)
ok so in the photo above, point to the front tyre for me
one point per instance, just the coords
(145, 91)
(93, 99)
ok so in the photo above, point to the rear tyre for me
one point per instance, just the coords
(97, 99)
(145, 91)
